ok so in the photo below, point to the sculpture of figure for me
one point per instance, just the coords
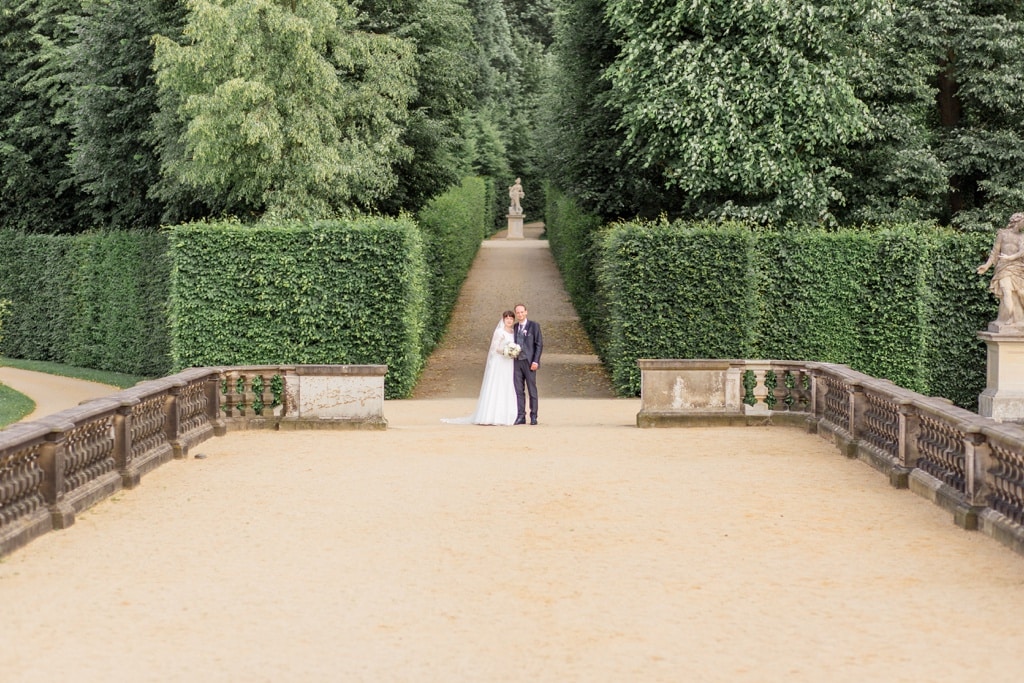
(515, 193)
(1008, 280)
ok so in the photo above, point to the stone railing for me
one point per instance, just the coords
(970, 465)
(55, 467)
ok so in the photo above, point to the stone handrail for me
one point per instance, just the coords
(57, 466)
(970, 465)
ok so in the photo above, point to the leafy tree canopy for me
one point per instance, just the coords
(289, 109)
(446, 57)
(742, 106)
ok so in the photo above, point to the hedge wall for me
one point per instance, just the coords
(574, 239)
(94, 300)
(852, 297)
(901, 302)
(676, 294)
(332, 292)
(349, 292)
(453, 225)
(959, 307)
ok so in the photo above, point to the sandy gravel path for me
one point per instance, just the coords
(582, 549)
(51, 393)
(505, 273)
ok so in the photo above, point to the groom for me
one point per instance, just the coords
(525, 366)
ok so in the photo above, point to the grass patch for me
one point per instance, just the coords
(13, 406)
(114, 379)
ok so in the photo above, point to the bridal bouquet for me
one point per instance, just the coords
(511, 350)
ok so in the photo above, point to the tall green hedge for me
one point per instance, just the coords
(852, 297)
(95, 299)
(574, 239)
(676, 294)
(4, 305)
(331, 292)
(899, 302)
(453, 224)
(960, 306)
(903, 303)
(349, 292)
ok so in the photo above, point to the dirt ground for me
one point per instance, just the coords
(581, 549)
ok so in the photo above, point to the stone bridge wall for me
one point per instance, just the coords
(55, 467)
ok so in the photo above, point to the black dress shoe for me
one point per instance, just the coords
(520, 421)
(533, 421)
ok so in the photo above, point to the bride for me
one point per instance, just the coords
(497, 402)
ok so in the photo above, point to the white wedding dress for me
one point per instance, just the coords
(497, 402)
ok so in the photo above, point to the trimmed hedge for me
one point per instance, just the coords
(676, 294)
(331, 292)
(852, 297)
(574, 239)
(4, 305)
(95, 299)
(959, 307)
(346, 292)
(901, 302)
(453, 224)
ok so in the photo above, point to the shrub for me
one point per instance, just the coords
(346, 292)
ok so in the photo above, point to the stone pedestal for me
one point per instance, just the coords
(1003, 398)
(515, 226)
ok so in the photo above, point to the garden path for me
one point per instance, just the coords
(51, 393)
(505, 273)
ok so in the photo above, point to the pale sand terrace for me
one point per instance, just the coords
(583, 549)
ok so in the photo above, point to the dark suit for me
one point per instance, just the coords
(532, 344)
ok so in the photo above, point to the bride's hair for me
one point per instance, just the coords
(508, 314)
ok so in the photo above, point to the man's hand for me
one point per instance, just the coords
(533, 367)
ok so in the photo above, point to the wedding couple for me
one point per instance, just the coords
(510, 374)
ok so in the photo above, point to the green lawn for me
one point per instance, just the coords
(13, 406)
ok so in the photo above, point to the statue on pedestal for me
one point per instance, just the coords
(1008, 280)
(515, 193)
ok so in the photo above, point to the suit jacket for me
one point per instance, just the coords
(531, 341)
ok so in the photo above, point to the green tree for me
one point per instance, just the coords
(978, 47)
(442, 33)
(290, 111)
(114, 150)
(742, 107)
(532, 19)
(497, 58)
(942, 82)
(894, 172)
(580, 137)
(37, 188)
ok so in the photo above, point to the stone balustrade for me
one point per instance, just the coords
(970, 465)
(55, 467)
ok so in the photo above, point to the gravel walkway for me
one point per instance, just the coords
(506, 273)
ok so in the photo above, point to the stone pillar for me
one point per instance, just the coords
(1003, 398)
(515, 226)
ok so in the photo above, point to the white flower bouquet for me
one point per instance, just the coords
(511, 350)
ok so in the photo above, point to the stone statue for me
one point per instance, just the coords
(1008, 280)
(515, 193)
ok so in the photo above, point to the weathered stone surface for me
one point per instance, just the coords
(515, 227)
(1003, 397)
